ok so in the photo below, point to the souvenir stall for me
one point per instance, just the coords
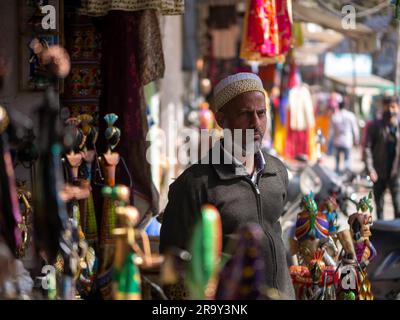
(93, 103)
(87, 215)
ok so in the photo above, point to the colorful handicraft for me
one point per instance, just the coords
(351, 281)
(267, 31)
(87, 208)
(10, 215)
(329, 210)
(315, 281)
(56, 235)
(360, 230)
(312, 233)
(114, 197)
(206, 249)
(109, 162)
(126, 275)
(25, 198)
(243, 276)
(311, 223)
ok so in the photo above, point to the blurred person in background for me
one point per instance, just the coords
(345, 134)
(382, 153)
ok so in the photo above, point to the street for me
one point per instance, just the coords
(358, 166)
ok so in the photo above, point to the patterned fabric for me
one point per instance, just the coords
(267, 31)
(309, 226)
(82, 87)
(101, 7)
(123, 95)
(88, 220)
(234, 85)
(151, 58)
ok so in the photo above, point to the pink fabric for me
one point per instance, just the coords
(269, 29)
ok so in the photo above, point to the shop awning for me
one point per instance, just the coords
(371, 84)
(364, 36)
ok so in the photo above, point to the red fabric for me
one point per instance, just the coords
(297, 142)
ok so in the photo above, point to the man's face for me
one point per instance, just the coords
(391, 110)
(246, 111)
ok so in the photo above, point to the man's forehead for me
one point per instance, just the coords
(249, 98)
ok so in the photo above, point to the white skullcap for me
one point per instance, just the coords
(234, 85)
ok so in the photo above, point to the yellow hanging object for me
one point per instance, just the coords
(365, 288)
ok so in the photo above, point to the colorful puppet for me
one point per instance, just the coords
(109, 162)
(312, 233)
(114, 197)
(126, 275)
(364, 249)
(311, 224)
(330, 211)
(206, 249)
(360, 223)
(243, 276)
(315, 281)
(89, 154)
(351, 281)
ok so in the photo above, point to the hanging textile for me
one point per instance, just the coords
(150, 56)
(297, 142)
(267, 31)
(300, 127)
(279, 135)
(82, 87)
(102, 7)
(301, 108)
(123, 95)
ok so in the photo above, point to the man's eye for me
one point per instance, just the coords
(261, 113)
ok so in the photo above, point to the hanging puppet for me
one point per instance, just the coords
(109, 162)
(315, 281)
(360, 223)
(89, 156)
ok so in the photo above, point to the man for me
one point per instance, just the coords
(249, 189)
(381, 155)
(345, 133)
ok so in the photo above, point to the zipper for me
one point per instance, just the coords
(261, 221)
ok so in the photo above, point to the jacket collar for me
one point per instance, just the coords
(228, 170)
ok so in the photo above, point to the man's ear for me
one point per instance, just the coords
(220, 117)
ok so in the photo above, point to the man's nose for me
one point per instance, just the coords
(255, 120)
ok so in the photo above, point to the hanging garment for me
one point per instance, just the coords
(296, 141)
(102, 7)
(301, 108)
(123, 95)
(267, 31)
(279, 135)
(150, 55)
